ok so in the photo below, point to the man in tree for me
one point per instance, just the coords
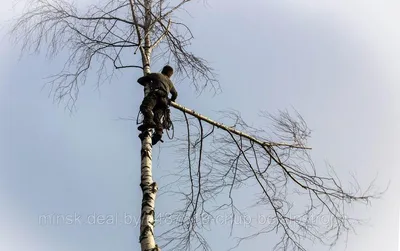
(156, 102)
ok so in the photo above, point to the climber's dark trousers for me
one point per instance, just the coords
(152, 108)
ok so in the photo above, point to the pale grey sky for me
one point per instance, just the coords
(336, 62)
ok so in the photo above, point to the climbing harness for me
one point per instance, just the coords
(165, 121)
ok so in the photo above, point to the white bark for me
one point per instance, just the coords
(149, 187)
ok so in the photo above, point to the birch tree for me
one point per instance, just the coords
(122, 35)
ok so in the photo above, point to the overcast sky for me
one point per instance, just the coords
(336, 62)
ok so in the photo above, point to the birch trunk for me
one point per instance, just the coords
(149, 187)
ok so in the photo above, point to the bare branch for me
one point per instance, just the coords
(239, 156)
(155, 44)
(233, 130)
